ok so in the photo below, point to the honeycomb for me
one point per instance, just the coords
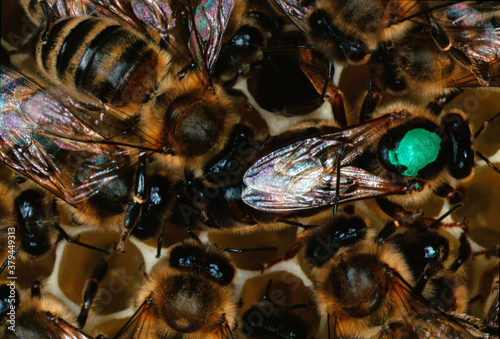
(64, 272)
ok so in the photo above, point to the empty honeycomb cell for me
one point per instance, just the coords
(123, 277)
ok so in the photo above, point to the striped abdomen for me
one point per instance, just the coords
(99, 57)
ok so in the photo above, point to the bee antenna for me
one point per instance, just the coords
(193, 235)
(293, 307)
(485, 124)
(266, 292)
(243, 250)
(327, 80)
(74, 240)
(441, 218)
(298, 224)
(9, 258)
(487, 161)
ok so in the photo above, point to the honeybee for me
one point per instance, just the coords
(364, 287)
(189, 294)
(405, 150)
(114, 104)
(351, 31)
(426, 46)
(35, 317)
(468, 56)
(439, 274)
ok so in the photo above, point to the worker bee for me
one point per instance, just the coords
(34, 317)
(351, 31)
(403, 148)
(439, 274)
(96, 128)
(365, 287)
(189, 293)
(426, 46)
(468, 56)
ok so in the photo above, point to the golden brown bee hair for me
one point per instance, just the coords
(331, 283)
(182, 297)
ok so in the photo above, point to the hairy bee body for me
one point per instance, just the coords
(100, 58)
(36, 316)
(366, 287)
(189, 294)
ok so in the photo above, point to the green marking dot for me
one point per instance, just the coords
(417, 149)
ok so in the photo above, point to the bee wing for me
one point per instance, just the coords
(303, 174)
(477, 37)
(296, 11)
(207, 26)
(64, 8)
(42, 138)
(65, 330)
(422, 319)
(140, 325)
(224, 331)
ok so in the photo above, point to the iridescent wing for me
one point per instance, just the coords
(296, 11)
(42, 137)
(65, 330)
(420, 319)
(303, 174)
(207, 27)
(477, 36)
(140, 325)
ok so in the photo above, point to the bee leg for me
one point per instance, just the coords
(74, 240)
(437, 104)
(372, 98)
(431, 269)
(464, 252)
(445, 191)
(491, 253)
(394, 210)
(389, 228)
(160, 241)
(438, 34)
(134, 211)
(90, 292)
(328, 91)
(294, 248)
(35, 290)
